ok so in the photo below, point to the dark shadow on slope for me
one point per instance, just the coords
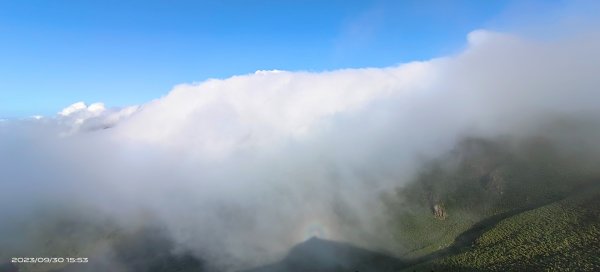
(318, 255)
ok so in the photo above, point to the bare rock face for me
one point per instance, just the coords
(439, 212)
(437, 208)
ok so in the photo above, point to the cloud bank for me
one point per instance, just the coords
(240, 169)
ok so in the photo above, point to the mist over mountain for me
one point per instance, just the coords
(230, 174)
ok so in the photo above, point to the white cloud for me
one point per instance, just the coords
(75, 107)
(260, 108)
(96, 108)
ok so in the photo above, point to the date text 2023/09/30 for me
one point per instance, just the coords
(49, 260)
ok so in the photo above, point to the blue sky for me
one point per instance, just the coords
(54, 53)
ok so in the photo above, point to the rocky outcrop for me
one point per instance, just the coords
(437, 208)
(439, 212)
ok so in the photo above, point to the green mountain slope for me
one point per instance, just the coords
(561, 236)
(497, 206)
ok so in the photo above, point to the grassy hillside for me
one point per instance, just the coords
(561, 236)
(477, 180)
(505, 208)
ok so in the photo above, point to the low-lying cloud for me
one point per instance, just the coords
(240, 169)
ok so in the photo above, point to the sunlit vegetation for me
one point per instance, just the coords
(529, 210)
